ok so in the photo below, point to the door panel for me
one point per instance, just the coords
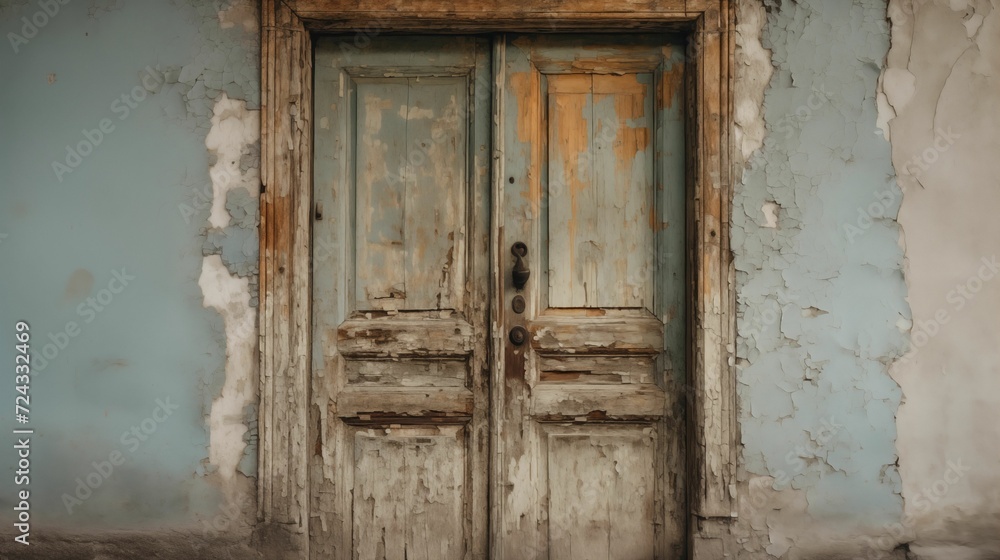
(600, 171)
(601, 485)
(590, 422)
(400, 279)
(411, 157)
(409, 491)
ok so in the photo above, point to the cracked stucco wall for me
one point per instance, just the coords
(821, 317)
(940, 102)
(166, 198)
(865, 245)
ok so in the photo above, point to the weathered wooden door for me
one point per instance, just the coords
(589, 411)
(575, 450)
(399, 466)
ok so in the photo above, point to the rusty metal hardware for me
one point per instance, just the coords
(517, 304)
(518, 335)
(521, 272)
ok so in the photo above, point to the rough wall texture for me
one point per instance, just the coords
(940, 95)
(820, 315)
(129, 173)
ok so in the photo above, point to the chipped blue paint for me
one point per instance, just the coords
(119, 207)
(818, 314)
(238, 244)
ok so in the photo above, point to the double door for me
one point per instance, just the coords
(498, 298)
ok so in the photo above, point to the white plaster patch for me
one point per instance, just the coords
(233, 128)
(753, 72)
(770, 210)
(230, 296)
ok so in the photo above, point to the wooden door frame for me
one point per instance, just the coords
(287, 27)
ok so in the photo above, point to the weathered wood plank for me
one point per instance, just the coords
(409, 494)
(392, 402)
(613, 370)
(572, 208)
(600, 177)
(715, 387)
(593, 403)
(408, 373)
(286, 69)
(600, 504)
(406, 338)
(639, 335)
(412, 175)
(436, 182)
(321, 8)
(381, 157)
(623, 109)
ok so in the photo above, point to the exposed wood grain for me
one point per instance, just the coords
(571, 196)
(613, 402)
(286, 70)
(499, 299)
(381, 154)
(406, 338)
(602, 370)
(715, 424)
(459, 16)
(436, 182)
(409, 494)
(635, 336)
(409, 373)
(411, 176)
(355, 402)
(486, 7)
(601, 504)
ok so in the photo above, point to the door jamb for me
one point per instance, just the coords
(285, 228)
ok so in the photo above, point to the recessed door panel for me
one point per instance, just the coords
(410, 178)
(599, 189)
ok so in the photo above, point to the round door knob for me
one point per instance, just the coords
(518, 335)
(517, 304)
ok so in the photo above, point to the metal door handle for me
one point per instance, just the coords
(521, 272)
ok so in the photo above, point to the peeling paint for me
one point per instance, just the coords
(230, 296)
(816, 313)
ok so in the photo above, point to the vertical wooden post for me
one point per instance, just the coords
(286, 159)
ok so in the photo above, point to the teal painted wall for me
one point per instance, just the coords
(820, 309)
(135, 205)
